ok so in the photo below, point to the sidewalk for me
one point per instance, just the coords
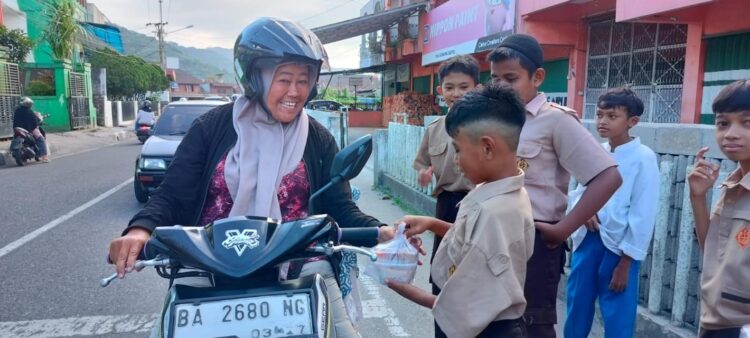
(61, 144)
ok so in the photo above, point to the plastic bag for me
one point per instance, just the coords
(397, 260)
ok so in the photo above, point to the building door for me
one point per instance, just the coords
(10, 94)
(648, 58)
(79, 102)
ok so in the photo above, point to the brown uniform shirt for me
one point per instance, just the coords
(436, 150)
(725, 294)
(480, 265)
(553, 146)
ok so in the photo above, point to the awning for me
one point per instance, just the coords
(371, 69)
(365, 24)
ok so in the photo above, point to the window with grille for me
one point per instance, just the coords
(648, 58)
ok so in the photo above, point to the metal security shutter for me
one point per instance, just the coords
(649, 58)
(555, 84)
(727, 60)
(422, 84)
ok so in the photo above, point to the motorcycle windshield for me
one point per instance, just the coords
(238, 246)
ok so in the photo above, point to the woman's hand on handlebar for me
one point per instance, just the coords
(124, 251)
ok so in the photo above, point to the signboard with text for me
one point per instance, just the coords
(465, 27)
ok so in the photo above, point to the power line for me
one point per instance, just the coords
(326, 11)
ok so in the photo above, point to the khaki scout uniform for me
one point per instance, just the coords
(436, 150)
(481, 264)
(725, 295)
(553, 145)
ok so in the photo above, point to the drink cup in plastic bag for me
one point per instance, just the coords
(397, 260)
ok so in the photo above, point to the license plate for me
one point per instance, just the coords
(252, 317)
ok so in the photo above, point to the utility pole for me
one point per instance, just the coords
(160, 36)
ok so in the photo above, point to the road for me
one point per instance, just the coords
(57, 221)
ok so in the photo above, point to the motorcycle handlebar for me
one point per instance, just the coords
(367, 237)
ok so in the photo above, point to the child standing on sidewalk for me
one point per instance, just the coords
(457, 76)
(553, 146)
(725, 235)
(608, 251)
(480, 266)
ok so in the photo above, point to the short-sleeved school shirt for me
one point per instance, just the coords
(725, 295)
(553, 146)
(437, 150)
(480, 265)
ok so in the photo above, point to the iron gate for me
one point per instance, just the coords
(79, 102)
(10, 94)
(648, 58)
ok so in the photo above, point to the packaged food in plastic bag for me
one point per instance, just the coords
(397, 260)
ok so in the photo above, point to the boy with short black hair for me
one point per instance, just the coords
(480, 265)
(457, 76)
(725, 235)
(553, 146)
(606, 258)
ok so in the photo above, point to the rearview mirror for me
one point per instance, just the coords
(349, 162)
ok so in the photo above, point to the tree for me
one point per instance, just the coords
(63, 33)
(129, 77)
(19, 45)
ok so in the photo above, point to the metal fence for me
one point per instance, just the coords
(10, 94)
(78, 102)
(336, 122)
(669, 276)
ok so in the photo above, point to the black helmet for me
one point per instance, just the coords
(26, 102)
(146, 104)
(266, 42)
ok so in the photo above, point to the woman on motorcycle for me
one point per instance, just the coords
(24, 117)
(260, 155)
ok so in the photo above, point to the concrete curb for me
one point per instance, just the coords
(6, 158)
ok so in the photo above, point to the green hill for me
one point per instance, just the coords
(202, 63)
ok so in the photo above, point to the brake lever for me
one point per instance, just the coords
(158, 261)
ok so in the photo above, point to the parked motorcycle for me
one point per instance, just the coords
(143, 132)
(23, 146)
(240, 257)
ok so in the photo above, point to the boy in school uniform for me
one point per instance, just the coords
(553, 146)
(480, 266)
(457, 76)
(608, 251)
(724, 236)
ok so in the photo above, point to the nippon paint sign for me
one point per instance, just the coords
(466, 27)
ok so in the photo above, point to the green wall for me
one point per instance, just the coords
(57, 105)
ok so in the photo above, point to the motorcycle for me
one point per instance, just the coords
(143, 132)
(23, 146)
(241, 258)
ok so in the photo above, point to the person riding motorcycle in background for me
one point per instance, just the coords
(145, 115)
(260, 155)
(24, 117)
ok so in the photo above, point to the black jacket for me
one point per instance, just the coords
(25, 118)
(181, 196)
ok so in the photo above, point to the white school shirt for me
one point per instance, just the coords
(627, 220)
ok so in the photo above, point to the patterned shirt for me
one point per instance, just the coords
(293, 195)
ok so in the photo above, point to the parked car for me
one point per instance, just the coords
(324, 105)
(159, 149)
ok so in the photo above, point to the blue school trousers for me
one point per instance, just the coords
(592, 267)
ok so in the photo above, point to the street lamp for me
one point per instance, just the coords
(183, 28)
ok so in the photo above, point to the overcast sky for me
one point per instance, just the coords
(218, 22)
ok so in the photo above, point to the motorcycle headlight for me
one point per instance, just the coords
(153, 163)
